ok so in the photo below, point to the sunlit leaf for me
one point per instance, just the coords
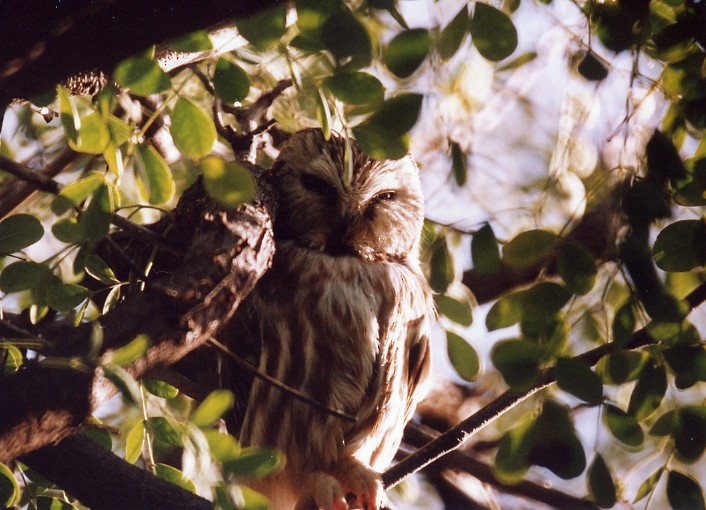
(120, 131)
(193, 42)
(493, 32)
(131, 351)
(528, 248)
(356, 88)
(406, 52)
(441, 267)
(224, 447)
(192, 129)
(98, 269)
(13, 359)
(163, 430)
(253, 500)
(576, 378)
(485, 251)
(452, 35)
(648, 485)
(64, 297)
(255, 462)
(9, 488)
(70, 118)
(18, 232)
(212, 408)
(600, 483)
(265, 28)
(576, 267)
(623, 426)
(134, 441)
(160, 388)
(347, 39)
(142, 75)
(621, 366)
(173, 475)
(681, 246)
(48, 503)
(648, 392)
(323, 113)
(231, 82)
(156, 182)
(457, 310)
(93, 136)
(463, 356)
(22, 275)
(97, 217)
(229, 182)
(111, 299)
(518, 362)
(684, 493)
(72, 195)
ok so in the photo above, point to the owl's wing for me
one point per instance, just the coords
(418, 362)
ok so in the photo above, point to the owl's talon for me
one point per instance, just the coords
(322, 492)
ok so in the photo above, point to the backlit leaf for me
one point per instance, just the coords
(485, 251)
(518, 362)
(131, 351)
(457, 310)
(9, 488)
(383, 134)
(142, 75)
(265, 28)
(347, 39)
(70, 118)
(212, 408)
(18, 232)
(255, 462)
(493, 32)
(623, 426)
(576, 267)
(192, 129)
(690, 435)
(160, 388)
(22, 275)
(648, 392)
(576, 378)
(623, 324)
(193, 42)
(406, 52)
(155, 178)
(173, 475)
(463, 356)
(93, 136)
(68, 230)
(98, 269)
(224, 447)
(591, 68)
(47, 503)
(648, 485)
(64, 297)
(441, 267)
(356, 88)
(621, 366)
(459, 164)
(452, 35)
(681, 246)
(97, 216)
(683, 492)
(231, 82)
(600, 483)
(528, 248)
(505, 312)
(229, 182)
(72, 195)
(134, 441)
(163, 430)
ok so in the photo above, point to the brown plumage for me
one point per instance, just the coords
(342, 316)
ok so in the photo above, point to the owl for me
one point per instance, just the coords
(343, 317)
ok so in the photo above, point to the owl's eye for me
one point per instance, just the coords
(384, 196)
(318, 185)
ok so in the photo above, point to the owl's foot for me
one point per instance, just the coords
(321, 492)
(362, 485)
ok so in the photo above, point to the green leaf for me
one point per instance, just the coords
(384, 134)
(441, 267)
(100, 435)
(391, 7)
(155, 179)
(97, 217)
(648, 485)
(18, 232)
(406, 52)
(688, 363)
(215, 405)
(347, 39)
(70, 119)
(621, 366)
(265, 28)
(505, 312)
(13, 359)
(229, 182)
(68, 230)
(576, 378)
(459, 311)
(164, 431)
(511, 458)
(47, 503)
(98, 269)
(255, 462)
(173, 475)
(681, 246)
(93, 135)
(623, 426)
(9, 488)
(528, 248)
(72, 195)
(192, 129)
(134, 441)
(253, 500)
(356, 88)
(463, 356)
(120, 131)
(22, 275)
(64, 297)
(485, 252)
(231, 82)
(193, 42)
(518, 362)
(576, 267)
(142, 75)
(591, 68)
(459, 164)
(323, 112)
(493, 32)
(544, 299)
(648, 392)
(666, 424)
(684, 493)
(600, 483)
(124, 382)
(132, 351)
(623, 325)
(160, 388)
(224, 447)
(690, 435)
(453, 34)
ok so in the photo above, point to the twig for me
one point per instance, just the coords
(280, 385)
(455, 437)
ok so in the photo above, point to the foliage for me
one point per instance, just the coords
(359, 68)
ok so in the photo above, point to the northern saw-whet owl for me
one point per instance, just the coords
(343, 317)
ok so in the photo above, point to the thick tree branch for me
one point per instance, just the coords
(46, 42)
(453, 438)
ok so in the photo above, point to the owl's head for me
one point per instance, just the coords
(376, 212)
